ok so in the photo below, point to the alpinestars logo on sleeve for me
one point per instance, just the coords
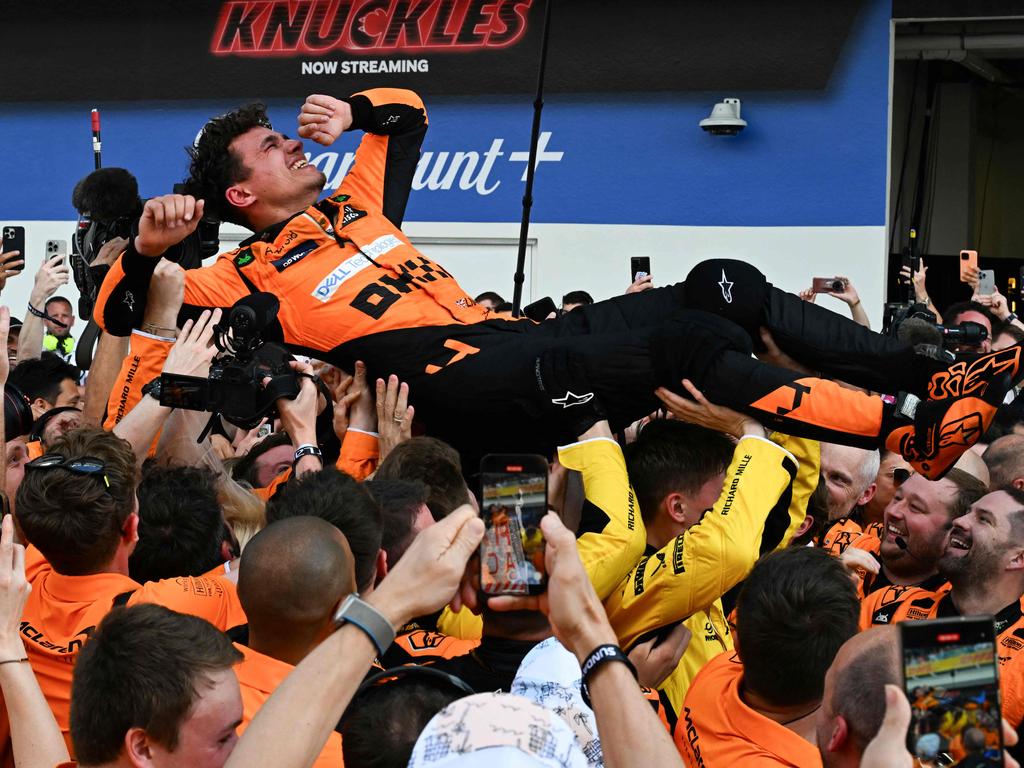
(726, 287)
(570, 399)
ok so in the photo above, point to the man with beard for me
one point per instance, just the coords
(903, 563)
(984, 563)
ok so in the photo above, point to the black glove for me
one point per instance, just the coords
(566, 392)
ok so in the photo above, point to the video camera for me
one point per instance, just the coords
(235, 388)
(109, 206)
(914, 324)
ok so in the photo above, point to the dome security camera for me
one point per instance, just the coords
(725, 119)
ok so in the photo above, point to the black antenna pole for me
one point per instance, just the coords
(524, 228)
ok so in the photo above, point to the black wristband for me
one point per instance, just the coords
(600, 656)
(307, 449)
(43, 316)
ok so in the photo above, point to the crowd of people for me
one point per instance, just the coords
(747, 493)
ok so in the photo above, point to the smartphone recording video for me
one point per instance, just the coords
(514, 499)
(951, 679)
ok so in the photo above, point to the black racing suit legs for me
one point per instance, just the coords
(476, 386)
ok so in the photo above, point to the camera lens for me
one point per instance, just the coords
(837, 285)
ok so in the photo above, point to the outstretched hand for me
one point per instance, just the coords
(14, 591)
(194, 350)
(702, 412)
(394, 414)
(429, 573)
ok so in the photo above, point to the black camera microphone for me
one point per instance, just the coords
(917, 330)
(262, 309)
(965, 333)
(902, 544)
(107, 194)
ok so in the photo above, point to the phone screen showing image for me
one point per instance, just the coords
(951, 680)
(513, 502)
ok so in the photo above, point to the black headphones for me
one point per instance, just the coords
(423, 673)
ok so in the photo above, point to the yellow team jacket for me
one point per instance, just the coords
(763, 502)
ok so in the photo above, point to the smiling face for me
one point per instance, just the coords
(982, 543)
(849, 477)
(919, 515)
(278, 181)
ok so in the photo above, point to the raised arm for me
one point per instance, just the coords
(35, 737)
(52, 274)
(612, 536)
(750, 517)
(395, 123)
(291, 728)
(165, 222)
(191, 356)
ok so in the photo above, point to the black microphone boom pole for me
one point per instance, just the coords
(524, 228)
(97, 145)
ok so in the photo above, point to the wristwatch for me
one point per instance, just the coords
(361, 614)
(153, 389)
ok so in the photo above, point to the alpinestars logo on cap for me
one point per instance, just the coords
(570, 399)
(726, 287)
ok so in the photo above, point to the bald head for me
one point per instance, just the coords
(1005, 460)
(975, 466)
(293, 574)
(853, 706)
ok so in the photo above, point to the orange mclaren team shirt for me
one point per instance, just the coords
(144, 363)
(62, 611)
(716, 729)
(846, 532)
(259, 676)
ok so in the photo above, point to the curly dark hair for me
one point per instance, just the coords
(215, 167)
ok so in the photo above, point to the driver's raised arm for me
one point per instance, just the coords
(395, 122)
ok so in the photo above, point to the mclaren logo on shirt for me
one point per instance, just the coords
(692, 737)
(37, 637)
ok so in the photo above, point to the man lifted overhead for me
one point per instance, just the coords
(352, 287)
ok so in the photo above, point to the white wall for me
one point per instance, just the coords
(595, 257)
(591, 257)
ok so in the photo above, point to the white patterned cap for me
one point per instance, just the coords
(496, 730)
(550, 675)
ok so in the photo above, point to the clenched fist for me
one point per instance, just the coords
(166, 221)
(324, 118)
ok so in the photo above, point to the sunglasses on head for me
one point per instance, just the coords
(83, 466)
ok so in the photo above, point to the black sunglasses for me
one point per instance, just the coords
(83, 466)
(900, 475)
